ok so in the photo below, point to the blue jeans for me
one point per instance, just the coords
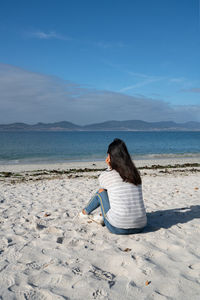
(101, 199)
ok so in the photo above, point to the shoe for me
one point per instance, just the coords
(83, 216)
(93, 218)
(98, 219)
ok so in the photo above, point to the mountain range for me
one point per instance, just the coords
(130, 125)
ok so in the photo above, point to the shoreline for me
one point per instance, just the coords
(91, 171)
(93, 164)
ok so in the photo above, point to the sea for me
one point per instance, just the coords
(68, 146)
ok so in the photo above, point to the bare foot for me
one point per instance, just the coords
(84, 212)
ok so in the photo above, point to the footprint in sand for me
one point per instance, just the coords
(195, 266)
(13, 254)
(98, 294)
(77, 271)
(103, 275)
(55, 280)
(33, 265)
(7, 280)
(31, 295)
(19, 230)
(34, 280)
(3, 265)
(159, 296)
(54, 230)
(132, 284)
(40, 226)
(133, 288)
(4, 244)
(74, 242)
(144, 263)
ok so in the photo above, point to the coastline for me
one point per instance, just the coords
(172, 160)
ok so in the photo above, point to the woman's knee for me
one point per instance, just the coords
(101, 190)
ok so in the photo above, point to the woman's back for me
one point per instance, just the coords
(126, 201)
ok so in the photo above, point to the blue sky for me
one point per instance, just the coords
(92, 61)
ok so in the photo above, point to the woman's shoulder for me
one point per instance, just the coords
(110, 173)
(107, 172)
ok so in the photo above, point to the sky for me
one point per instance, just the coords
(91, 61)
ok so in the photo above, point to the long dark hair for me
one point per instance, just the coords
(121, 161)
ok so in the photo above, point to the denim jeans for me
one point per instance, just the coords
(102, 200)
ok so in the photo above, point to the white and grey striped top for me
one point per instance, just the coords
(126, 201)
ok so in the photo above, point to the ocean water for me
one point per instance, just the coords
(50, 147)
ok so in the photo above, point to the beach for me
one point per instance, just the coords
(48, 252)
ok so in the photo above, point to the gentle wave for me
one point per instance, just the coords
(167, 155)
(47, 160)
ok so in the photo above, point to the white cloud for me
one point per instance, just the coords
(42, 35)
(140, 84)
(106, 45)
(177, 80)
(47, 35)
(33, 97)
(140, 78)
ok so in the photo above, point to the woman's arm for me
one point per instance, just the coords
(106, 179)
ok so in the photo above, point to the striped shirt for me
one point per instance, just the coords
(126, 201)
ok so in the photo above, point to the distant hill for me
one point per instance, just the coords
(138, 125)
(58, 126)
(129, 125)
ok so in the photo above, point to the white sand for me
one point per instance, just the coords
(61, 257)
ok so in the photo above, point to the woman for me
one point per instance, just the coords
(120, 195)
